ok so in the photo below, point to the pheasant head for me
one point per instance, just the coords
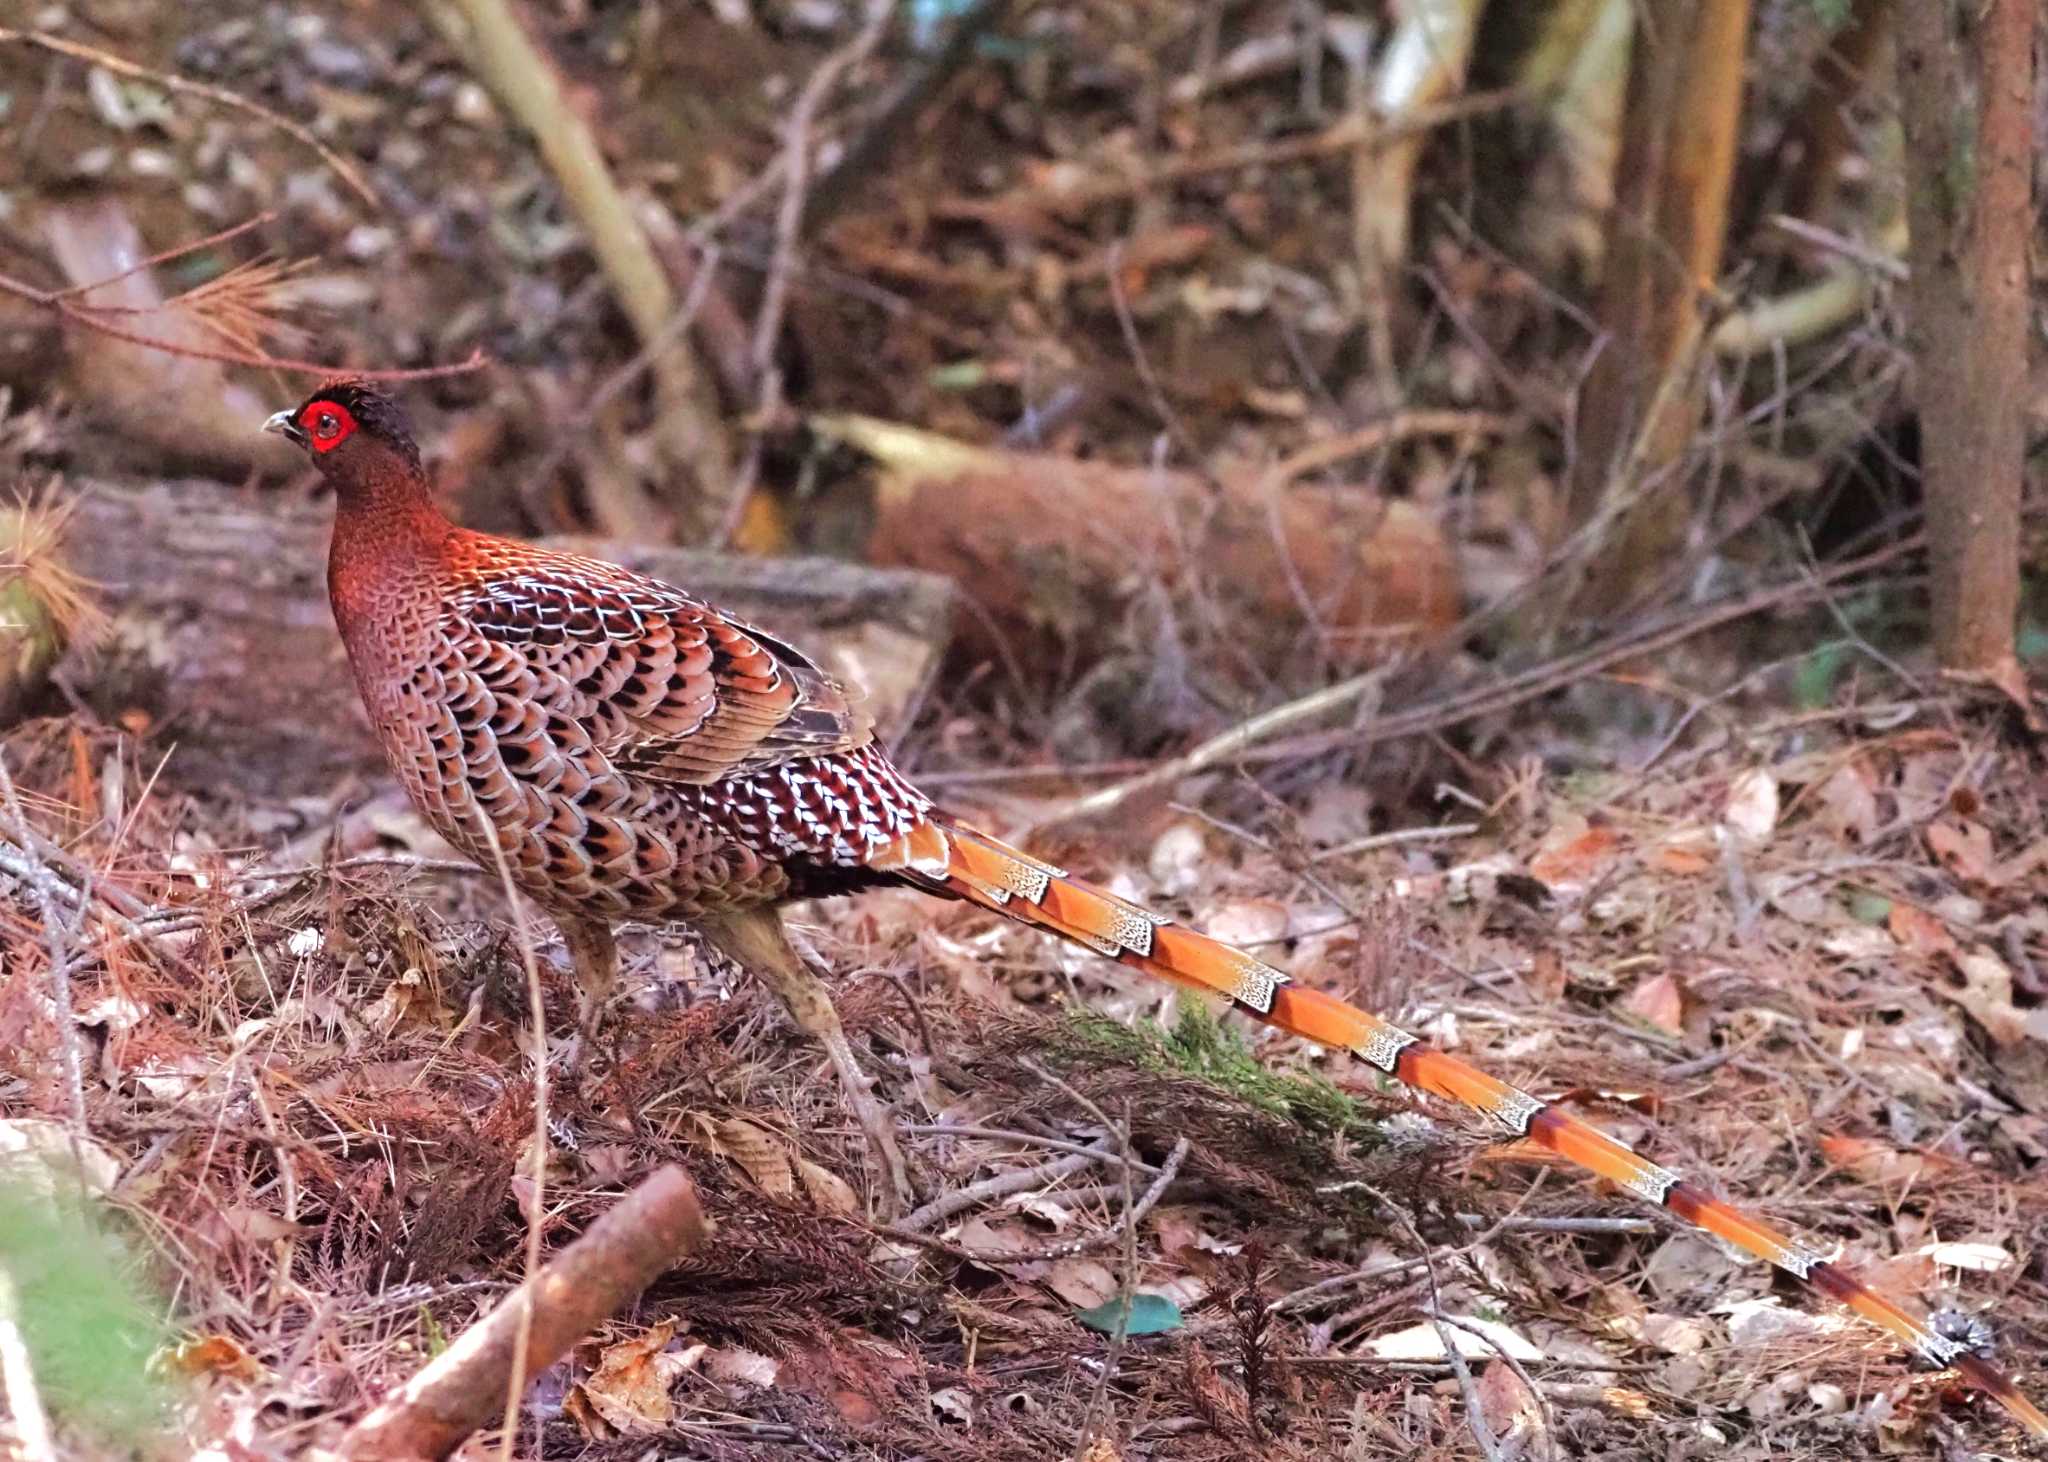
(359, 438)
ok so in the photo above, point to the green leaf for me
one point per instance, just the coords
(1150, 1314)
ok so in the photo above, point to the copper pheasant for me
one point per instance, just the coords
(626, 751)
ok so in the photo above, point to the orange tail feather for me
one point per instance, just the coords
(963, 861)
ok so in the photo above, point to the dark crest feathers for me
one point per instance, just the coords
(375, 413)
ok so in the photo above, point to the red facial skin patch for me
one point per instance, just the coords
(326, 425)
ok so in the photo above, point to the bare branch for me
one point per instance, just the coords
(646, 1232)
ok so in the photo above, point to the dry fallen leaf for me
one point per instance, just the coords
(1848, 803)
(1421, 1342)
(1963, 848)
(1752, 810)
(1510, 1407)
(1879, 1162)
(1082, 1283)
(1574, 852)
(1985, 1258)
(1246, 922)
(1987, 995)
(217, 1355)
(1658, 1001)
(1685, 851)
(630, 1387)
(1919, 931)
(828, 1192)
(759, 1154)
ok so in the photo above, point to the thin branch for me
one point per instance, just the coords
(1457, 706)
(67, 304)
(494, 43)
(789, 222)
(171, 81)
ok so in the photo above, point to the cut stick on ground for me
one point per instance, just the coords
(647, 1231)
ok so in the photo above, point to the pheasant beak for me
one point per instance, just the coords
(284, 426)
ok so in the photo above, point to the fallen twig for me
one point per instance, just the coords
(1340, 137)
(171, 81)
(620, 1254)
(229, 313)
(1000, 1186)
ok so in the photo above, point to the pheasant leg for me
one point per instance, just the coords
(594, 956)
(757, 942)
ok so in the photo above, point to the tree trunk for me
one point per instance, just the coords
(1639, 404)
(1966, 71)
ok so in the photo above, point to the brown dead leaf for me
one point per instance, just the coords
(1102, 1450)
(1659, 1001)
(1686, 851)
(1574, 851)
(1878, 1162)
(1848, 803)
(999, 1238)
(759, 1154)
(1245, 922)
(217, 1355)
(1963, 848)
(630, 1388)
(1082, 1283)
(1987, 995)
(1679, 1334)
(828, 1192)
(1752, 810)
(1510, 1407)
(1919, 931)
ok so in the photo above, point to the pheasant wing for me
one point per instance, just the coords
(667, 687)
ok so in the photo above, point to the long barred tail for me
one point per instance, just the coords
(964, 861)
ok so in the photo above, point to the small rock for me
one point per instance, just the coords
(472, 106)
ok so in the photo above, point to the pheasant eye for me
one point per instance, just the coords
(327, 425)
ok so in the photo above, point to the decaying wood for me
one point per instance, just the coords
(1053, 552)
(223, 642)
(651, 1229)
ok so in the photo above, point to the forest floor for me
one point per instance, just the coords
(1802, 958)
(1772, 906)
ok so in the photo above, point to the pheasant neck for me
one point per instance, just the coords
(389, 544)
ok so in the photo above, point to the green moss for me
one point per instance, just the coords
(85, 1312)
(1199, 1045)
